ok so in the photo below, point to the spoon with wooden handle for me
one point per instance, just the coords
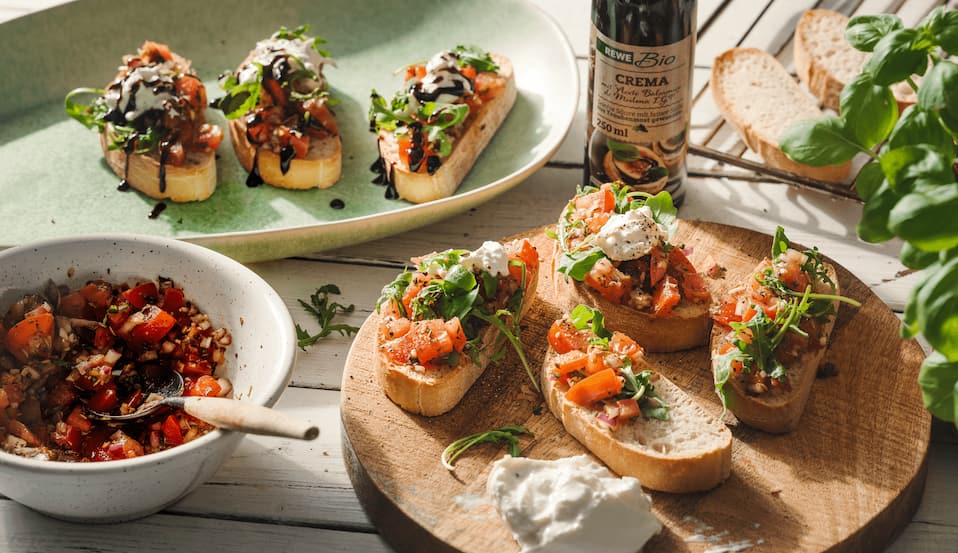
(229, 414)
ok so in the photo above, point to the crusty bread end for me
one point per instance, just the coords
(193, 181)
(781, 412)
(423, 187)
(689, 452)
(760, 99)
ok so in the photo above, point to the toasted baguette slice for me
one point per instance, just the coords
(777, 412)
(760, 99)
(435, 391)
(690, 452)
(321, 168)
(423, 187)
(685, 328)
(826, 62)
(193, 181)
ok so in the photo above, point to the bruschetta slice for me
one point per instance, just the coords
(278, 105)
(442, 324)
(599, 385)
(432, 130)
(613, 252)
(770, 335)
(152, 126)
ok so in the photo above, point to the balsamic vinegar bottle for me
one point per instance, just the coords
(640, 83)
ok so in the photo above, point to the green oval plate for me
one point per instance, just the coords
(56, 183)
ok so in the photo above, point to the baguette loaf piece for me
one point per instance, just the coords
(760, 99)
(826, 62)
(435, 390)
(479, 129)
(683, 449)
(778, 410)
(195, 180)
(686, 327)
(321, 167)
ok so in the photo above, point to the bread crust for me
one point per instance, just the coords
(423, 187)
(753, 135)
(686, 327)
(434, 392)
(675, 471)
(321, 168)
(782, 412)
(193, 181)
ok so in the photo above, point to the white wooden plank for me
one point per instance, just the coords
(24, 531)
(912, 11)
(286, 481)
(707, 10)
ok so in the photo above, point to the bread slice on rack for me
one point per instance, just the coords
(760, 99)
(825, 61)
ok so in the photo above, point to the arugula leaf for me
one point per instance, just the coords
(476, 57)
(394, 292)
(90, 116)
(576, 264)
(507, 434)
(511, 334)
(324, 311)
(780, 243)
(240, 98)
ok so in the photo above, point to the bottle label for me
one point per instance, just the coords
(639, 112)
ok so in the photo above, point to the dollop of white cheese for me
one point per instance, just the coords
(491, 257)
(144, 88)
(630, 235)
(570, 505)
(300, 56)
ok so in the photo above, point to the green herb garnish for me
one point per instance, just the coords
(508, 434)
(324, 311)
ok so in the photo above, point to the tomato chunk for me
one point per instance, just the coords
(206, 386)
(601, 385)
(564, 337)
(155, 325)
(624, 345)
(665, 297)
(30, 337)
(141, 294)
(171, 431)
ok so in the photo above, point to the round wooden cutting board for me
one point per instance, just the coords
(847, 480)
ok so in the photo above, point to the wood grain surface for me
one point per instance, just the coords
(847, 480)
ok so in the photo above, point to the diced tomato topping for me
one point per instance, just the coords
(123, 446)
(154, 327)
(78, 419)
(275, 90)
(60, 396)
(468, 71)
(205, 386)
(601, 385)
(104, 399)
(173, 300)
(665, 297)
(68, 436)
(141, 294)
(31, 336)
(529, 256)
(458, 335)
(425, 341)
(196, 367)
(209, 136)
(155, 52)
(20, 430)
(563, 337)
(628, 409)
(624, 345)
(192, 89)
(417, 71)
(659, 263)
(394, 328)
(611, 283)
(171, 431)
(135, 400)
(570, 364)
(726, 313)
(14, 393)
(694, 286)
(595, 361)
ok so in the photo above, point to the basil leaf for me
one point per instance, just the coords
(459, 279)
(896, 58)
(918, 126)
(818, 142)
(938, 380)
(583, 317)
(664, 211)
(780, 243)
(937, 309)
(622, 151)
(873, 226)
(910, 166)
(459, 305)
(947, 33)
(915, 258)
(939, 88)
(869, 178)
(864, 31)
(869, 110)
(926, 218)
(576, 264)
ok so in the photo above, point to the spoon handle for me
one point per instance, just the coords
(248, 417)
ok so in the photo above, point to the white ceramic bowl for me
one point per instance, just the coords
(259, 364)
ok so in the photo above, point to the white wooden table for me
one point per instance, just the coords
(279, 495)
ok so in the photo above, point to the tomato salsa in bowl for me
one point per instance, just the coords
(87, 322)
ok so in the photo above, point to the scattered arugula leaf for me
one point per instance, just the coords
(911, 192)
(476, 57)
(324, 311)
(584, 317)
(508, 434)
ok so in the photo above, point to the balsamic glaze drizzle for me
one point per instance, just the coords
(157, 209)
(337, 204)
(254, 179)
(286, 156)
